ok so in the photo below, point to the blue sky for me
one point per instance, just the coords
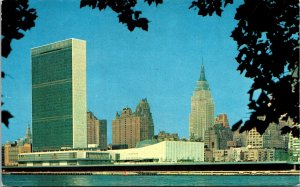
(123, 67)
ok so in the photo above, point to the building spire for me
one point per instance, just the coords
(202, 74)
(28, 131)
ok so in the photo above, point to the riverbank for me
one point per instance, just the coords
(201, 173)
(147, 180)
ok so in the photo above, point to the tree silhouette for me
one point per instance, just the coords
(267, 36)
(124, 8)
(17, 18)
(269, 54)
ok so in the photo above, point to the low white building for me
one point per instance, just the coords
(166, 151)
(64, 158)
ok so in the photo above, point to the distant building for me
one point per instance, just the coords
(126, 129)
(255, 155)
(217, 136)
(96, 132)
(208, 155)
(92, 129)
(131, 127)
(272, 137)
(219, 155)
(260, 155)
(64, 158)
(167, 151)
(147, 127)
(59, 95)
(254, 139)
(236, 154)
(271, 146)
(222, 119)
(119, 146)
(2, 155)
(240, 138)
(11, 151)
(216, 141)
(103, 134)
(294, 148)
(275, 145)
(145, 143)
(202, 109)
(231, 144)
(164, 136)
(163, 152)
(27, 139)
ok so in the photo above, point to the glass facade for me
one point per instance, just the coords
(59, 95)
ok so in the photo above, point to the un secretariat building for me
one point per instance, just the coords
(59, 95)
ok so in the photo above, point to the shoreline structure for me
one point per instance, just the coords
(206, 168)
(200, 173)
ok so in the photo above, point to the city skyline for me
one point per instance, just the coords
(161, 65)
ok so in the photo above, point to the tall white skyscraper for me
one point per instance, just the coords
(202, 108)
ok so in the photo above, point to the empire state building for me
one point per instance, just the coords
(202, 108)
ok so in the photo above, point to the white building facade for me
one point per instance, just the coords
(166, 151)
(163, 152)
(64, 158)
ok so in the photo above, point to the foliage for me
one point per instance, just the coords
(208, 7)
(267, 36)
(124, 8)
(127, 15)
(269, 54)
(17, 18)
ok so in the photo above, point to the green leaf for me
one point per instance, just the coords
(228, 2)
(236, 125)
(5, 117)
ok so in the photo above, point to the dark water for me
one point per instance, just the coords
(114, 180)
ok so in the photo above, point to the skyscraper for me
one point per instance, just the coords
(126, 129)
(59, 95)
(28, 136)
(147, 127)
(202, 109)
(131, 127)
(103, 134)
(96, 131)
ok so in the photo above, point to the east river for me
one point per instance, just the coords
(142, 180)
